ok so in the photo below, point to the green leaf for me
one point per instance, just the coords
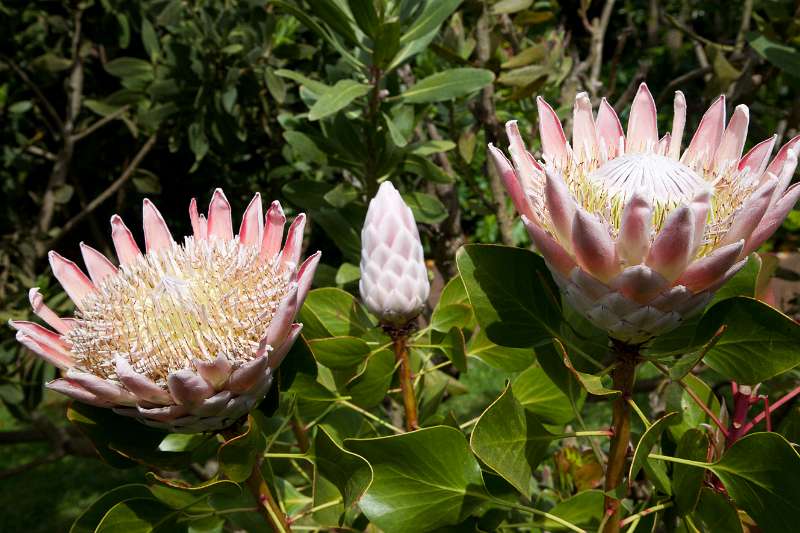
(646, 443)
(238, 455)
(445, 317)
(433, 147)
(762, 474)
(339, 352)
(535, 391)
(500, 357)
(431, 17)
(316, 87)
(395, 133)
(135, 516)
(511, 440)
(510, 6)
(687, 480)
(423, 167)
(347, 273)
(760, 342)
(422, 480)
(584, 509)
(366, 16)
(178, 495)
(368, 388)
(692, 415)
(331, 312)
(427, 209)
(784, 57)
(87, 521)
(742, 284)
(716, 513)
(512, 294)
(447, 84)
(130, 67)
(211, 524)
(453, 347)
(304, 148)
(337, 98)
(150, 40)
(122, 441)
(348, 472)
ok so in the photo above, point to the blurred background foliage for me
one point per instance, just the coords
(315, 102)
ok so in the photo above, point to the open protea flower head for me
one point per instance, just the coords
(394, 282)
(638, 234)
(186, 336)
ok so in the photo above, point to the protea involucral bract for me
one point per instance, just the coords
(394, 281)
(185, 336)
(637, 233)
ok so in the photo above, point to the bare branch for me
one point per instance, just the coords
(747, 11)
(100, 123)
(109, 191)
(56, 129)
(694, 36)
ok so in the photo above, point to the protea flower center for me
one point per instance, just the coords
(656, 177)
(177, 304)
(639, 232)
(184, 337)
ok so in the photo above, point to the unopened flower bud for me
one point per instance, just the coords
(394, 282)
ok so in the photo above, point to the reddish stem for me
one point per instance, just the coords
(742, 400)
(769, 410)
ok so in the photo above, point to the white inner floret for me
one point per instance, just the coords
(603, 187)
(656, 177)
(190, 301)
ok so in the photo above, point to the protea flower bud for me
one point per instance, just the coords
(186, 336)
(637, 235)
(394, 282)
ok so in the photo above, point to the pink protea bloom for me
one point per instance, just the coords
(394, 281)
(184, 337)
(638, 235)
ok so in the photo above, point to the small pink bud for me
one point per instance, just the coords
(394, 281)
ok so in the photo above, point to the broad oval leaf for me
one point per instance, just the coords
(331, 312)
(339, 352)
(759, 343)
(512, 294)
(88, 519)
(422, 480)
(511, 440)
(762, 474)
(538, 393)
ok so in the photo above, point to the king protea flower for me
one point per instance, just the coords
(186, 336)
(394, 281)
(638, 234)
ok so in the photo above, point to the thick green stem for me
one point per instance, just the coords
(624, 375)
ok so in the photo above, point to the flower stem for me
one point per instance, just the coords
(636, 517)
(268, 507)
(696, 399)
(742, 399)
(406, 381)
(624, 375)
(767, 411)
